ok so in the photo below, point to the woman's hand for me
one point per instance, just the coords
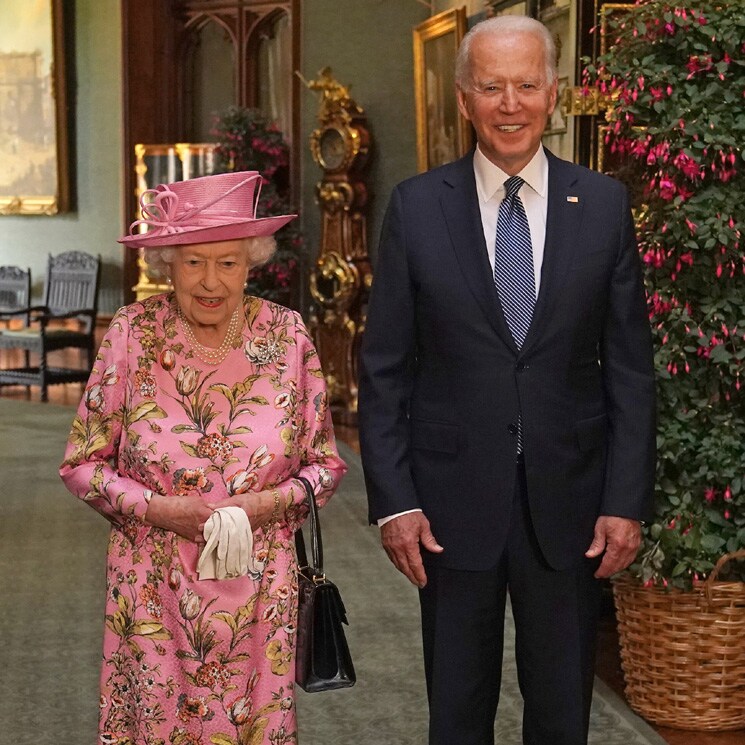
(183, 515)
(259, 506)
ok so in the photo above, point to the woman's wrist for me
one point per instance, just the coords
(153, 512)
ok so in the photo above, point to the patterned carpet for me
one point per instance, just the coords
(51, 572)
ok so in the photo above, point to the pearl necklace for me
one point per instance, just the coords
(211, 355)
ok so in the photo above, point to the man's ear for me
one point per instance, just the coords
(552, 96)
(462, 102)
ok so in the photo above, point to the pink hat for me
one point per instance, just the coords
(214, 208)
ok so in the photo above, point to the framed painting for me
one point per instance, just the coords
(34, 123)
(443, 135)
(515, 7)
(557, 123)
(610, 14)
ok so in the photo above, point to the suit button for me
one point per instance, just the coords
(512, 429)
(520, 366)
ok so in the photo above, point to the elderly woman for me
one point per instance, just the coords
(202, 399)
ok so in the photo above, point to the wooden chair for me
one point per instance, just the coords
(70, 295)
(15, 294)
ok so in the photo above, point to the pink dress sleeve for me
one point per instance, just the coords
(320, 463)
(89, 469)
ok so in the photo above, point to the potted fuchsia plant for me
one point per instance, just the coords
(248, 141)
(674, 80)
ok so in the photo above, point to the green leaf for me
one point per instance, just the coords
(150, 629)
(221, 739)
(712, 542)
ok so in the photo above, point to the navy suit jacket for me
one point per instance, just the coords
(441, 381)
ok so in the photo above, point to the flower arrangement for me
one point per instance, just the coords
(248, 141)
(674, 77)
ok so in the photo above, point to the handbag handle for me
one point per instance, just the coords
(316, 544)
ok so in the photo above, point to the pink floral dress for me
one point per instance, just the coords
(188, 661)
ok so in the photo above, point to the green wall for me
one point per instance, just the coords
(94, 227)
(368, 45)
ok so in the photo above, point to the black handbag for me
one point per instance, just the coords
(323, 662)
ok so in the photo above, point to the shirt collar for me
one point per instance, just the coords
(490, 178)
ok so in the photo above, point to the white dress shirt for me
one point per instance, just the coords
(534, 196)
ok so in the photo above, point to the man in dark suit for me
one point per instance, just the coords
(507, 399)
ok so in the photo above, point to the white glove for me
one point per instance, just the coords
(228, 552)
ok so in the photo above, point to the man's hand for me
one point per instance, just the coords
(401, 538)
(619, 537)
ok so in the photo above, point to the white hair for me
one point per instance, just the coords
(503, 26)
(257, 251)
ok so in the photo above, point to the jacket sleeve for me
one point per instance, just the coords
(627, 362)
(387, 368)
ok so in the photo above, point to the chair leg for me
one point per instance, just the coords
(43, 376)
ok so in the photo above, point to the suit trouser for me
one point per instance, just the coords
(556, 615)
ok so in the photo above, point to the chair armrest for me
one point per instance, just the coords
(70, 314)
(24, 311)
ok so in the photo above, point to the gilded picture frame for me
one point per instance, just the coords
(34, 117)
(443, 134)
(606, 11)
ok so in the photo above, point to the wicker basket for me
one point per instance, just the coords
(683, 653)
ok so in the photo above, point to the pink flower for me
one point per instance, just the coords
(668, 189)
(241, 482)
(94, 398)
(240, 710)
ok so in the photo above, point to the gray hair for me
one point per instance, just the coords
(257, 251)
(503, 26)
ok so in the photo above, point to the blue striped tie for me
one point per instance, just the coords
(513, 262)
(513, 269)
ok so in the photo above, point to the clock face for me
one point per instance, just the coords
(333, 149)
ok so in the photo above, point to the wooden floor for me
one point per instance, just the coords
(608, 666)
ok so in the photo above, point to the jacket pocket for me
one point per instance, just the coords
(437, 436)
(591, 432)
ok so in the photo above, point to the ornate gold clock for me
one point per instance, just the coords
(341, 277)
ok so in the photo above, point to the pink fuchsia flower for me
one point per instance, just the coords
(687, 166)
(668, 190)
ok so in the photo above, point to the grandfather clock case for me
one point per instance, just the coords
(341, 277)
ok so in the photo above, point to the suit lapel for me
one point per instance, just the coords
(563, 220)
(459, 202)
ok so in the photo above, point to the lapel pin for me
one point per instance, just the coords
(574, 200)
